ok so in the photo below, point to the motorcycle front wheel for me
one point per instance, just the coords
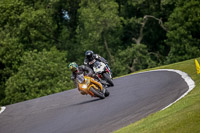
(107, 93)
(97, 93)
(108, 79)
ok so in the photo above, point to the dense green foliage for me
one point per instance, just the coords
(40, 73)
(131, 35)
(183, 35)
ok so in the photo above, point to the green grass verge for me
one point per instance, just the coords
(181, 117)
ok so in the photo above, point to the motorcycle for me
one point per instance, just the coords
(102, 71)
(89, 85)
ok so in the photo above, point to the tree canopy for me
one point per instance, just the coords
(40, 74)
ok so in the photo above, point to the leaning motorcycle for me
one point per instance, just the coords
(90, 86)
(102, 72)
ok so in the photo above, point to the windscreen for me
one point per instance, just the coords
(97, 64)
(80, 78)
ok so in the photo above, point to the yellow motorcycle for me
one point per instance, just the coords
(89, 85)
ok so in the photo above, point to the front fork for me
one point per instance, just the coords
(109, 71)
(108, 68)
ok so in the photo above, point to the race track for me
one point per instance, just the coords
(133, 97)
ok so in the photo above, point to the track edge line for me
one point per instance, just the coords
(188, 80)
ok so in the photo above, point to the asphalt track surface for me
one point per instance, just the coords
(132, 98)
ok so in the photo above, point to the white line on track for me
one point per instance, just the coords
(188, 80)
(2, 109)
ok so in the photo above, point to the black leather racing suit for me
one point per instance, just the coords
(96, 57)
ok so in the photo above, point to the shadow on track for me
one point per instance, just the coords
(85, 102)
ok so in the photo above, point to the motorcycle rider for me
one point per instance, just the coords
(76, 70)
(90, 56)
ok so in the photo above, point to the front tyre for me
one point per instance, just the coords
(97, 93)
(107, 93)
(108, 79)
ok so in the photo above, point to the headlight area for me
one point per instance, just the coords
(84, 86)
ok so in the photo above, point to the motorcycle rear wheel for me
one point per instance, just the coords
(97, 93)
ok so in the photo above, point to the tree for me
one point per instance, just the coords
(10, 47)
(183, 36)
(24, 26)
(40, 74)
(134, 58)
(97, 20)
(143, 23)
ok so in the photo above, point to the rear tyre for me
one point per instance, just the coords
(97, 93)
(108, 79)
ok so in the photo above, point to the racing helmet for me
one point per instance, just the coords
(89, 54)
(73, 66)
